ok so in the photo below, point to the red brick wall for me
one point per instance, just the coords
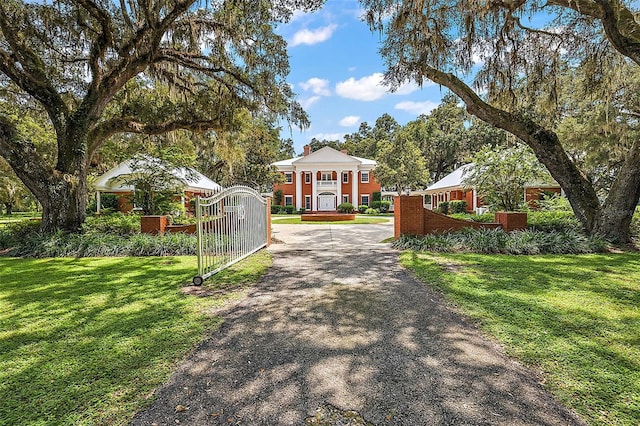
(411, 218)
(153, 224)
(288, 188)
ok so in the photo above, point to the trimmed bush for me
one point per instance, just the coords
(481, 218)
(553, 221)
(497, 241)
(375, 196)
(376, 204)
(362, 208)
(457, 206)
(346, 208)
(443, 207)
(290, 209)
(372, 211)
(385, 206)
(302, 210)
(115, 224)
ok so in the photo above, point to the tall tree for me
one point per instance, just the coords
(400, 164)
(500, 176)
(98, 68)
(519, 66)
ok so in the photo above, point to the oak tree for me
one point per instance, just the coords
(97, 68)
(505, 63)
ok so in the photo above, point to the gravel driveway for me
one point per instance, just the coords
(337, 323)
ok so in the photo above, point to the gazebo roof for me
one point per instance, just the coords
(193, 180)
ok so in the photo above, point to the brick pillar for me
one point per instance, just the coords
(153, 224)
(268, 221)
(511, 221)
(408, 213)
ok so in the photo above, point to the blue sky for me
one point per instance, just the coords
(336, 71)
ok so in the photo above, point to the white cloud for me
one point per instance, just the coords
(310, 37)
(370, 88)
(328, 136)
(307, 103)
(318, 86)
(349, 121)
(417, 108)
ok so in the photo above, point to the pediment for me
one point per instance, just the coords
(326, 155)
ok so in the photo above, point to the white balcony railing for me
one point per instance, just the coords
(327, 184)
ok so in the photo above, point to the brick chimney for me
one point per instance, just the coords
(344, 151)
(307, 150)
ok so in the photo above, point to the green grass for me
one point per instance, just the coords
(359, 220)
(17, 217)
(576, 318)
(85, 341)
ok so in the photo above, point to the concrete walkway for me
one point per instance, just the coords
(337, 321)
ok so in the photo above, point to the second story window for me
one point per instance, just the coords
(345, 178)
(307, 177)
(364, 177)
(326, 176)
(288, 177)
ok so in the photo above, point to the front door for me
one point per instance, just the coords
(326, 202)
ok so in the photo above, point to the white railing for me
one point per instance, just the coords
(326, 184)
(232, 224)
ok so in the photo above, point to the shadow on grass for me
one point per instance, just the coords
(84, 340)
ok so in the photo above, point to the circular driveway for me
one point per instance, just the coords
(322, 237)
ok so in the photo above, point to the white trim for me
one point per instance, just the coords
(364, 173)
(307, 202)
(307, 177)
(345, 198)
(290, 197)
(288, 178)
(368, 200)
(345, 175)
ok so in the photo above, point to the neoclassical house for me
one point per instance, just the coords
(321, 180)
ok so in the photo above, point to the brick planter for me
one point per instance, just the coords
(512, 221)
(153, 224)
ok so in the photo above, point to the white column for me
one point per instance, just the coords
(299, 190)
(339, 191)
(355, 197)
(98, 202)
(475, 200)
(314, 190)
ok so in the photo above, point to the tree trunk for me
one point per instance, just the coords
(61, 190)
(9, 208)
(610, 219)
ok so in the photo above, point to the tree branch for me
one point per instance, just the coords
(130, 125)
(104, 40)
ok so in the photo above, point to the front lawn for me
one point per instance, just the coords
(359, 220)
(576, 318)
(85, 341)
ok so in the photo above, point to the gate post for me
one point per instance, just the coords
(268, 221)
(408, 212)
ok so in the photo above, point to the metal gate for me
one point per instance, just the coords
(232, 224)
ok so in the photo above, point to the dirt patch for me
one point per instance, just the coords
(328, 415)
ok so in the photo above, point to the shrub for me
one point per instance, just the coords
(290, 209)
(372, 211)
(497, 241)
(96, 244)
(482, 218)
(376, 196)
(634, 228)
(458, 206)
(346, 208)
(385, 206)
(443, 207)
(376, 204)
(302, 210)
(362, 208)
(115, 224)
(275, 209)
(278, 196)
(553, 221)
